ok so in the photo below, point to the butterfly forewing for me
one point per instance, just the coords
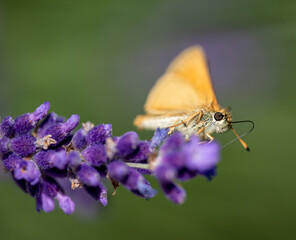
(185, 87)
(168, 96)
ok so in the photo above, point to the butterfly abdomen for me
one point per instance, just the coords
(151, 122)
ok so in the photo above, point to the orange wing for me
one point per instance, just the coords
(185, 86)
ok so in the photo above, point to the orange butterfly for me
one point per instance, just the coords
(183, 100)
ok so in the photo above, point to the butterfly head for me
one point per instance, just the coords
(221, 120)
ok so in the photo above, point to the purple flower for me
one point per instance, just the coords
(45, 203)
(50, 120)
(28, 171)
(60, 131)
(6, 127)
(51, 190)
(99, 134)
(192, 156)
(181, 160)
(60, 159)
(4, 145)
(127, 144)
(99, 193)
(92, 156)
(43, 159)
(95, 155)
(173, 192)
(131, 179)
(202, 156)
(141, 153)
(88, 175)
(165, 173)
(74, 159)
(78, 140)
(50, 159)
(159, 135)
(23, 145)
(28, 121)
(65, 203)
(12, 161)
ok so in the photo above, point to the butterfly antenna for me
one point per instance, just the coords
(239, 137)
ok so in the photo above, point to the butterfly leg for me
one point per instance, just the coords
(203, 136)
(200, 131)
(172, 128)
(210, 137)
(187, 120)
(200, 116)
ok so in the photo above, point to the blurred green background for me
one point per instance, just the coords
(99, 59)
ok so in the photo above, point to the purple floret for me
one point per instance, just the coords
(160, 134)
(60, 160)
(202, 157)
(12, 161)
(4, 145)
(44, 203)
(50, 120)
(28, 171)
(127, 144)
(78, 140)
(28, 121)
(173, 192)
(51, 190)
(99, 134)
(40, 112)
(141, 153)
(43, 159)
(6, 127)
(99, 193)
(95, 155)
(23, 145)
(130, 179)
(65, 203)
(74, 159)
(88, 175)
(60, 131)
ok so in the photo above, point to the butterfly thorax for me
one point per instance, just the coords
(205, 122)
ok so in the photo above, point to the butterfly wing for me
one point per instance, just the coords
(185, 86)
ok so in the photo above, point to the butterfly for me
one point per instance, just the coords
(183, 100)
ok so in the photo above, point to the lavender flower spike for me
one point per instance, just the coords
(38, 148)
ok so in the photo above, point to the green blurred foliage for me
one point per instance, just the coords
(100, 58)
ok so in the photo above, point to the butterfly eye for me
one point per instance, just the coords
(218, 116)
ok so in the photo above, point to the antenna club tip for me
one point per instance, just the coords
(248, 149)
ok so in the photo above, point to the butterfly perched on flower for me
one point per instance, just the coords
(183, 100)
